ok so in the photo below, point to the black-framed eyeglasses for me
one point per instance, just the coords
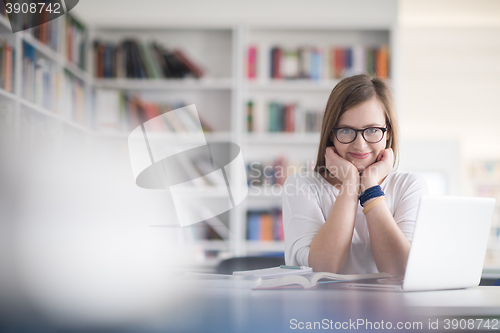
(370, 134)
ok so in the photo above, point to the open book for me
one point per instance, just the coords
(312, 280)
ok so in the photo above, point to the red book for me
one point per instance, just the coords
(151, 111)
(277, 58)
(193, 68)
(339, 62)
(8, 68)
(252, 62)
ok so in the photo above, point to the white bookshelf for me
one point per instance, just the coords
(220, 96)
(23, 108)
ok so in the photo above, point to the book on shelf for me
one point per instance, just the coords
(317, 63)
(76, 41)
(250, 116)
(137, 60)
(50, 88)
(282, 117)
(117, 111)
(252, 62)
(47, 33)
(7, 58)
(265, 225)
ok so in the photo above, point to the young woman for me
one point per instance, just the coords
(353, 214)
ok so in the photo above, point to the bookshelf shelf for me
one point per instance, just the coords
(43, 49)
(164, 84)
(76, 71)
(55, 56)
(292, 85)
(4, 25)
(7, 94)
(264, 246)
(52, 115)
(209, 137)
(282, 138)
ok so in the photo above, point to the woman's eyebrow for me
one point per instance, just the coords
(369, 125)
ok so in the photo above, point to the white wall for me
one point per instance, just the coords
(192, 12)
(450, 73)
(450, 78)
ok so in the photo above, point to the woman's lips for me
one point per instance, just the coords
(360, 156)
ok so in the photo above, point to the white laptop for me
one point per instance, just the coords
(448, 247)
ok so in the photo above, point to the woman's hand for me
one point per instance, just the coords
(376, 172)
(341, 168)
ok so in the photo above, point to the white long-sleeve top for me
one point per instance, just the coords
(308, 199)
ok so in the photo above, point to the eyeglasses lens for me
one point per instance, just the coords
(371, 135)
(346, 135)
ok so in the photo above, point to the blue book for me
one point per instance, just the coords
(253, 226)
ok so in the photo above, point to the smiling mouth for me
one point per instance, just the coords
(360, 156)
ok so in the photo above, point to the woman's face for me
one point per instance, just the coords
(359, 152)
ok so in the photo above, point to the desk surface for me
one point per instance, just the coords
(238, 310)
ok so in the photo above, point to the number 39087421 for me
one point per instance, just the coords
(33, 8)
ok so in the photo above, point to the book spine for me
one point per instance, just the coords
(250, 116)
(252, 62)
(8, 67)
(266, 227)
(193, 68)
(382, 62)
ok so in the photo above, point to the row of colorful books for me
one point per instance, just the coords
(315, 63)
(47, 33)
(274, 172)
(265, 225)
(74, 34)
(134, 59)
(117, 111)
(76, 42)
(46, 86)
(283, 117)
(7, 58)
(40, 78)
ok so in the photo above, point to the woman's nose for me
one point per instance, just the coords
(359, 143)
